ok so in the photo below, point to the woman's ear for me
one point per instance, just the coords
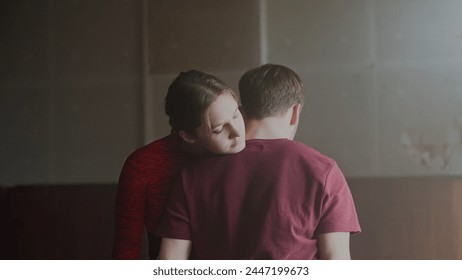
(187, 137)
(296, 108)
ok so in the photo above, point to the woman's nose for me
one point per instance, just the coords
(234, 131)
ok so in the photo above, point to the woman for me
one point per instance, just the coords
(204, 116)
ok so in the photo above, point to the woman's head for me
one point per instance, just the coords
(203, 110)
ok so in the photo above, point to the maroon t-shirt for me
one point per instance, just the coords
(267, 202)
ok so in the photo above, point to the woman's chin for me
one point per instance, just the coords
(238, 147)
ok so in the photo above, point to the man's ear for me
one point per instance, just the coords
(296, 108)
(187, 137)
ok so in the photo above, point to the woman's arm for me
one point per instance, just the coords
(174, 249)
(130, 212)
(334, 246)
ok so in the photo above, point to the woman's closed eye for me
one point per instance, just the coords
(218, 131)
(219, 128)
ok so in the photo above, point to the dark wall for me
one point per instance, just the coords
(70, 89)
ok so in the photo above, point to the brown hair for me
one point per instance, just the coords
(268, 90)
(189, 96)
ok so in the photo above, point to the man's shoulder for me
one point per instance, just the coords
(305, 159)
(271, 151)
(291, 148)
(311, 156)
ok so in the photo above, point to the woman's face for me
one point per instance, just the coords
(225, 131)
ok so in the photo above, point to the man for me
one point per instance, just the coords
(277, 199)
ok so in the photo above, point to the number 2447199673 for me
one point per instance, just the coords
(280, 270)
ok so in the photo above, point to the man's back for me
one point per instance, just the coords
(267, 202)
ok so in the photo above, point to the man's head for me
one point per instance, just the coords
(272, 97)
(269, 90)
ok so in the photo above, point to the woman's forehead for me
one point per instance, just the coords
(222, 109)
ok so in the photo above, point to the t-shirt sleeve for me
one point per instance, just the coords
(175, 223)
(338, 208)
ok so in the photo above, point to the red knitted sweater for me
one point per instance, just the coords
(144, 188)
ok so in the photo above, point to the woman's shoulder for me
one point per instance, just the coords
(152, 163)
(160, 149)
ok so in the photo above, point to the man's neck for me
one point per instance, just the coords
(268, 128)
